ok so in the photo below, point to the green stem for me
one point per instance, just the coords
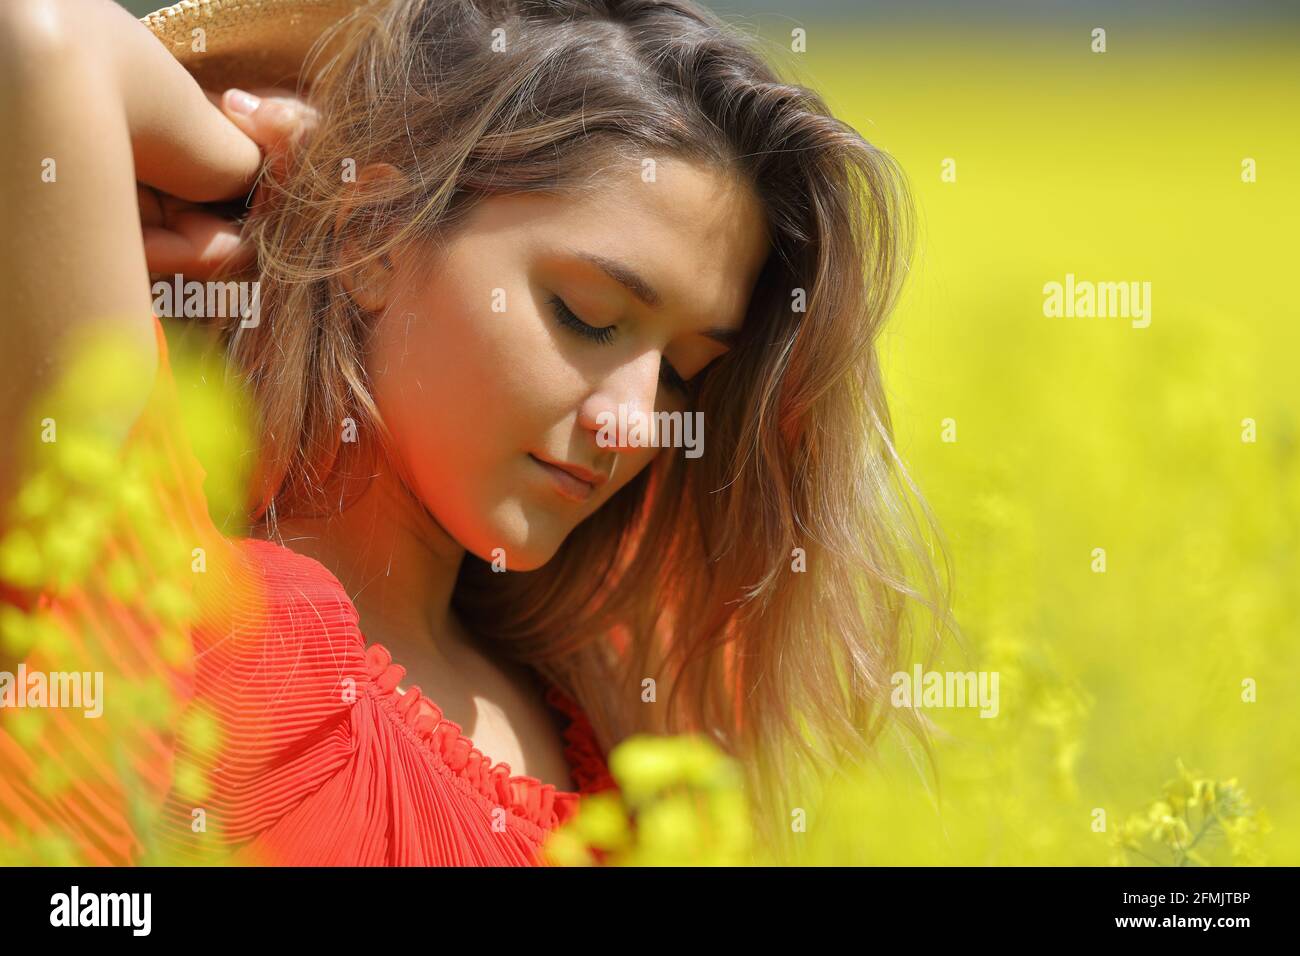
(1145, 856)
(1205, 826)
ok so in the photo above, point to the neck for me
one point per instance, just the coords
(397, 564)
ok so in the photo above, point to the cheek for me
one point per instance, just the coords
(467, 391)
(461, 373)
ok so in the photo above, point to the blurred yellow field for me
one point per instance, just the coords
(1092, 382)
(1173, 447)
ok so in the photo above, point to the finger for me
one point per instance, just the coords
(307, 118)
(273, 121)
(168, 253)
(197, 245)
(173, 207)
(215, 159)
(218, 243)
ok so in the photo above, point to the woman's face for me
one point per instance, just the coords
(495, 393)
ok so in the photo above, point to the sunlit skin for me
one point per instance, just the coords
(475, 397)
(470, 393)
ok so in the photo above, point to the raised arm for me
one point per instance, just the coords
(90, 102)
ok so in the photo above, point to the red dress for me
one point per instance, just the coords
(268, 732)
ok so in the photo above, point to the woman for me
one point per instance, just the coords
(506, 225)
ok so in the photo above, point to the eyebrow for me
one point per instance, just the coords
(643, 290)
(624, 276)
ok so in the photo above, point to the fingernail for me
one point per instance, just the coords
(237, 101)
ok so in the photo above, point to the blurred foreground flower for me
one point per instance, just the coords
(102, 555)
(680, 802)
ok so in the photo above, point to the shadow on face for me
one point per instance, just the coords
(545, 315)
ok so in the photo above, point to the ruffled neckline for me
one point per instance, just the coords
(542, 804)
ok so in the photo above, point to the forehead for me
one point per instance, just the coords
(697, 234)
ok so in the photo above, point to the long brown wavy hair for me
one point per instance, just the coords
(766, 588)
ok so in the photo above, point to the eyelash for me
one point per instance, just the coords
(603, 335)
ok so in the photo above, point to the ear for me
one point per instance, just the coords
(369, 276)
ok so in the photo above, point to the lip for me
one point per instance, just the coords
(572, 481)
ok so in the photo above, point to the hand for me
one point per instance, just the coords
(204, 241)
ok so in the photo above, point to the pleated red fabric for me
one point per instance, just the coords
(268, 733)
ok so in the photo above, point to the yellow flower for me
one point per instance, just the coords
(190, 781)
(171, 602)
(670, 830)
(1179, 790)
(16, 632)
(1167, 828)
(20, 559)
(565, 848)
(86, 459)
(681, 802)
(1131, 832)
(200, 728)
(123, 579)
(1203, 794)
(646, 765)
(602, 822)
(37, 497)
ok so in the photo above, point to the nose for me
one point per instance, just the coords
(627, 392)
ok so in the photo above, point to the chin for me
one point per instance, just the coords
(519, 556)
(528, 539)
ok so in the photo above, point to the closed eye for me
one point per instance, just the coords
(604, 334)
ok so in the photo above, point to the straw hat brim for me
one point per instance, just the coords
(246, 43)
